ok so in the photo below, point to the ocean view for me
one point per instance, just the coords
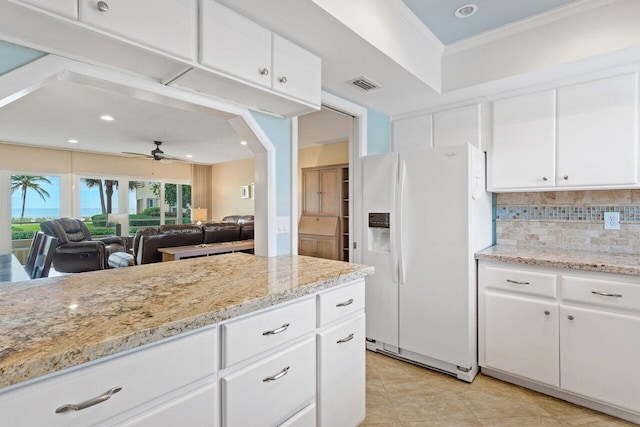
(49, 212)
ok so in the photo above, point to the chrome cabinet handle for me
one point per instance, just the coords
(346, 303)
(344, 340)
(103, 6)
(264, 71)
(86, 404)
(277, 330)
(570, 317)
(544, 178)
(606, 294)
(276, 376)
(283, 80)
(517, 282)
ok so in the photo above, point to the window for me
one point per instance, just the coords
(98, 198)
(177, 203)
(144, 204)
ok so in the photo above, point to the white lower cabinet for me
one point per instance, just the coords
(599, 356)
(341, 373)
(303, 418)
(582, 343)
(507, 320)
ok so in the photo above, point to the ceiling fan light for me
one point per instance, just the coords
(466, 10)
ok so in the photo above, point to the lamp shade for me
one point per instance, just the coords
(199, 214)
(117, 218)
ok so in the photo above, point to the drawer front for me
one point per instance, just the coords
(196, 408)
(520, 281)
(166, 25)
(304, 418)
(143, 375)
(267, 391)
(252, 335)
(340, 302)
(601, 293)
(68, 8)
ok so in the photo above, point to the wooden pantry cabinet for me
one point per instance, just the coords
(583, 136)
(572, 334)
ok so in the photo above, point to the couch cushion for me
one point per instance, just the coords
(216, 232)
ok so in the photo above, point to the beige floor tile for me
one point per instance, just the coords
(520, 422)
(418, 405)
(471, 422)
(380, 410)
(486, 405)
(594, 420)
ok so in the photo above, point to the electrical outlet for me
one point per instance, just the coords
(612, 220)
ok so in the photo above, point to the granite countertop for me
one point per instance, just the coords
(51, 324)
(563, 258)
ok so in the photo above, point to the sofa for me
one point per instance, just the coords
(148, 240)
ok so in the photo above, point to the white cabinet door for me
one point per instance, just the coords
(68, 8)
(194, 409)
(597, 132)
(521, 337)
(599, 354)
(413, 133)
(457, 126)
(296, 72)
(166, 25)
(341, 374)
(231, 43)
(523, 152)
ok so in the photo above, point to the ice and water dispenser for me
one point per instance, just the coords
(379, 238)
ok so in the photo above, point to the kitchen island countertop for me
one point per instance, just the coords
(48, 325)
(564, 258)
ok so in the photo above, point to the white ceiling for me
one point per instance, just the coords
(323, 127)
(60, 111)
(439, 17)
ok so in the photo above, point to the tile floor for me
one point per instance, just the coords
(400, 394)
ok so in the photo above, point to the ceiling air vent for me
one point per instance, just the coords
(364, 83)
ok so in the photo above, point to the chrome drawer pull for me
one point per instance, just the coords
(84, 405)
(606, 294)
(516, 282)
(277, 331)
(343, 340)
(277, 376)
(346, 303)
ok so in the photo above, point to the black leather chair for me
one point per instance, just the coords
(77, 251)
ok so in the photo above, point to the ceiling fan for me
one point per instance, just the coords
(158, 155)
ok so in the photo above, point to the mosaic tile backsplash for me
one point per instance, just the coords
(569, 220)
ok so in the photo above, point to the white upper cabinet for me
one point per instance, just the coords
(67, 8)
(597, 132)
(458, 126)
(231, 43)
(412, 133)
(296, 72)
(166, 25)
(522, 153)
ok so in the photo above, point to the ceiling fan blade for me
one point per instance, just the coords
(172, 158)
(137, 154)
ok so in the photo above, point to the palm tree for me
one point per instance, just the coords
(91, 183)
(26, 182)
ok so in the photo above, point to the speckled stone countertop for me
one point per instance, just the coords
(51, 324)
(576, 260)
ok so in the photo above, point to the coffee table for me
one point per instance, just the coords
(179, 252)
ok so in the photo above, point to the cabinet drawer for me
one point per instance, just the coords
(166, 25)
(252, 335)
(144, 375)
(338, 303)
(68, 8)
(521, 281)
(304, 418)
(603, 293)
(267, 391)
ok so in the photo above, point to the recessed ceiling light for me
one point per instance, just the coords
(72, 141)
(189, 156)
(243, 142)
(466, 11)
(107, 118)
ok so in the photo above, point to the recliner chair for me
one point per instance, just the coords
(77, 251)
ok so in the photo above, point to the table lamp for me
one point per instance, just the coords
(198, 215)
(117, 219)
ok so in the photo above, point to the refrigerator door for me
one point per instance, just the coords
(434, 297)
(381, 291)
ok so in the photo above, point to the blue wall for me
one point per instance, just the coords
(279, 131)
(378, 132)
(13, 56)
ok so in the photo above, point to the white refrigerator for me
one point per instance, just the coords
(426, 214)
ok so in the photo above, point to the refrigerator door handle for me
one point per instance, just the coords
(393, 232)
(398, 208)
